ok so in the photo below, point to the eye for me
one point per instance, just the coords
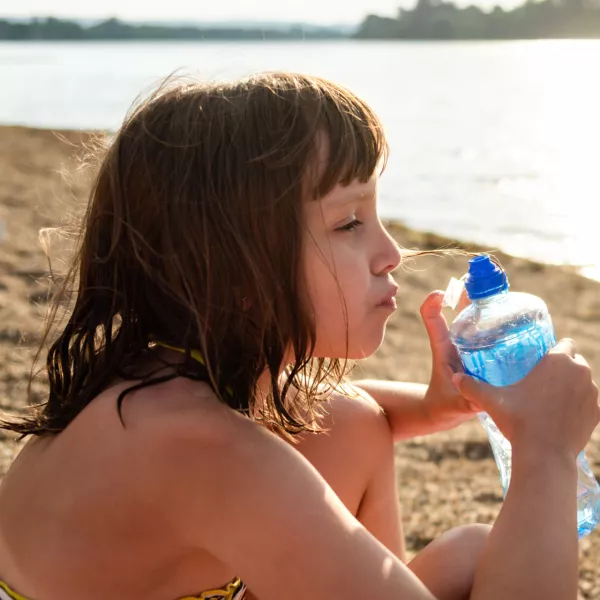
(350, 226)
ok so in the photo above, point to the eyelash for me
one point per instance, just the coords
(350, 226)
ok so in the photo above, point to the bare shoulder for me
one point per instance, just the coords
(353, 411)
(172, 432)
(259, 506)
(175, 407)
(351, 398)
(190, 434)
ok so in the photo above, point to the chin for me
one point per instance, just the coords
(361, 344)
(357, 350)
(364, 352)
(368, 346)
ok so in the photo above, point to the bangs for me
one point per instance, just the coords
(351, 145)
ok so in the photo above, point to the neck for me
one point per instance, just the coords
(488, 299)
(263, 388)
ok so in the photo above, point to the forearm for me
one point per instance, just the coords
(532, 551)
(402, 404)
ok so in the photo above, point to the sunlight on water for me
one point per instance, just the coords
(497, 143)
(568, 130)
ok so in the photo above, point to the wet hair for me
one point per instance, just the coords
(192, 236)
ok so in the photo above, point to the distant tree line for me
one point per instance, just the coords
(113, 29)
(429, 20)
(438, 20)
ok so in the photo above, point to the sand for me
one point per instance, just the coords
(445, 480)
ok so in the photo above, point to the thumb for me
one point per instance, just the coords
(477, 392)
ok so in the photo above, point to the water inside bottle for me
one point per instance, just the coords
(506, 362)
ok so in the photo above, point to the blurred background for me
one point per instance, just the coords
(493, 118)
(492, 111)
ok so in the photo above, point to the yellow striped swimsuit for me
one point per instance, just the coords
(235, 590)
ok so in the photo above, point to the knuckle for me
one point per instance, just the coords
(583, 371)
(559, 353)
(566, 346)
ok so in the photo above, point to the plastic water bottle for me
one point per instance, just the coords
(499, 339)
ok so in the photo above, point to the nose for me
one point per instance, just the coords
(389, 256)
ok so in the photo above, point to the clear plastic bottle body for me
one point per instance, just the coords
(499, 339)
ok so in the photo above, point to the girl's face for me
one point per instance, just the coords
(348, 260)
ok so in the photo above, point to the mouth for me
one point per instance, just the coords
(389, 300)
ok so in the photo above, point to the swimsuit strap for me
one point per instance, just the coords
(9, 594)
(196, 355)
(235, 590)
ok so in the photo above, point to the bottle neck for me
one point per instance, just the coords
(498, 297)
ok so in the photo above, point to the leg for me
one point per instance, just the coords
(447, 565)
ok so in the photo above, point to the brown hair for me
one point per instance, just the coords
(197, 206)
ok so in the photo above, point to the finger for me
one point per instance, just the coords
(435, 322)
(454, 364)
(475, 390)
(580, 360)
(565, 346)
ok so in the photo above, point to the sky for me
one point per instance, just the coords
(312, 11)
(308, 11)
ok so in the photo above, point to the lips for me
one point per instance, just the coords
(390, 298)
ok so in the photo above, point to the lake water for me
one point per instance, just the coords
(494, 142)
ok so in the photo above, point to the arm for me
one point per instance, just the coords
(403, 404)
(258, 505)
(532, 551)
(416, 409)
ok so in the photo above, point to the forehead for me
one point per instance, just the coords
(355, 192)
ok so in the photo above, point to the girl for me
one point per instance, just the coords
(197, 429)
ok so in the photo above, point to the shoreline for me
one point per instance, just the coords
(445, 479)
(430, 238)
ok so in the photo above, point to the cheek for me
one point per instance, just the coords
(327, 285)
(355, 332)
(323, 289)
(332, 319)
(324, 292)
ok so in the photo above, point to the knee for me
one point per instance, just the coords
(448, 564)
(468, 540)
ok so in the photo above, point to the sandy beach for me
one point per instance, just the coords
(446, 479)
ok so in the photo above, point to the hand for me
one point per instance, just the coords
(554, 408)
(445, 406)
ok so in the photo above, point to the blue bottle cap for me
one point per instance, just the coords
(485, 278)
